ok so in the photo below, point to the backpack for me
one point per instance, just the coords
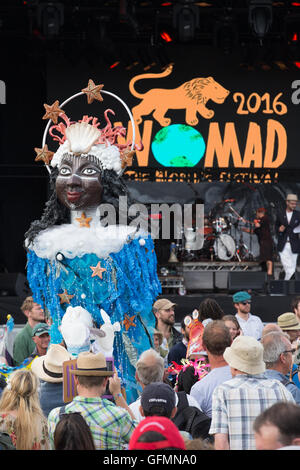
(6, 442)
(191, 419)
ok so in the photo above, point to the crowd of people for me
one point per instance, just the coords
(241, 391)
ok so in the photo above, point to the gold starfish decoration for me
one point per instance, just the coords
(93, 92)
(83, 220)
(128, 322)
(44, 154)
(97, 270)
(52, 111)
(65, 297)
(126, 157)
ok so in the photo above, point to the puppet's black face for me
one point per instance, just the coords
(78, 184)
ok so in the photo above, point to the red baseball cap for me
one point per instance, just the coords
(161, 425)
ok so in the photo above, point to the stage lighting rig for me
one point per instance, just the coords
(50, 18)
(260, 17)
(185, 20)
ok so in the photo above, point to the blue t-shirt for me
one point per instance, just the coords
(202, 391)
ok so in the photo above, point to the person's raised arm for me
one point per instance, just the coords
(115, 390)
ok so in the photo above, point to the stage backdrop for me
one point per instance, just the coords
(203, 111)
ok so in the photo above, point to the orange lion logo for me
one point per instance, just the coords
(191, 96)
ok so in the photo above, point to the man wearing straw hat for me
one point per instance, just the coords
(111, 425)
(287, 229)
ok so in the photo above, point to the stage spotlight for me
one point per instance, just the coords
(166, 36)
(260, 17)
(185, 21)
(50, 18)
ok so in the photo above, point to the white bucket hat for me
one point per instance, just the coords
(246, 355)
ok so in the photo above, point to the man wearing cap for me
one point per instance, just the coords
(237, 402)
(163, 310)
(41, 338)
(251, 325)
(287, 229)
(158, 399)
(111, 425)
(156, 433)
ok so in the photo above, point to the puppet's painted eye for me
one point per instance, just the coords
(64, 171)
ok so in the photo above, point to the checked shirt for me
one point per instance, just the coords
(111, 426)
(237, 402)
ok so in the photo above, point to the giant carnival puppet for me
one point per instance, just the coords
(73, 260)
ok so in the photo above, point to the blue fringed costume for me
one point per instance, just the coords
(126, 291)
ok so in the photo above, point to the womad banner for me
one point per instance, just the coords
(203, 112)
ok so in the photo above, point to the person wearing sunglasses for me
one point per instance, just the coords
(251, 325)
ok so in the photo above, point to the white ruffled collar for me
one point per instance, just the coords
(72, 241)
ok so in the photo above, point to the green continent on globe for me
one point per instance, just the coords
(161, 135)
(181, 161)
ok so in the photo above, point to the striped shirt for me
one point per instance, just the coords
(237, 402)
(111, 426)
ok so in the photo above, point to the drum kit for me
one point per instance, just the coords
(222, 238)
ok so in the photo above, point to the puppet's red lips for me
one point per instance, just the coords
(73, 196)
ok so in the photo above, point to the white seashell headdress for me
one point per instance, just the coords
(81, 136)
(85, 137)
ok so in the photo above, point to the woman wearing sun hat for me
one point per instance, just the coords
(49, 369)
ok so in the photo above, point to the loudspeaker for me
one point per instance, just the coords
(198, 280)
(279, 287)
(294, 287)
(14, 285)
(255, 280)
(221, 279)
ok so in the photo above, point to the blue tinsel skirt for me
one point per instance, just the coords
(127, 290)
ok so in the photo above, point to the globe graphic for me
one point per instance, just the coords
(178, 145)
